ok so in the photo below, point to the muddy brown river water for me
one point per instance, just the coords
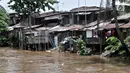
(19, 61)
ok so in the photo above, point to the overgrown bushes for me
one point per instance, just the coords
(127, 42)
(3, 41)
(82, 49)
(113, 47)
(75, 45)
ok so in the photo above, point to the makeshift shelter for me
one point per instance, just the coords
(16, 35)
(58, 33)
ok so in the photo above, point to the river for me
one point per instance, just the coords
(21, 61)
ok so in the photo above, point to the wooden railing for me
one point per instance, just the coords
(92, 41)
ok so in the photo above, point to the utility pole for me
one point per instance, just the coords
(117, 28)
(98, 22)
(85, 13)
(78, 12)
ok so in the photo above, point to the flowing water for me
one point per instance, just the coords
(19, 61)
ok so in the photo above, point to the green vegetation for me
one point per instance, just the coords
(3, 41)
(3, 20)
(127, 41)
(26, 7)
(114, 47)
(82, 49)
(3, 26)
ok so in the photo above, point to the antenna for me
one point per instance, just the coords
(78, 12)
(85, 13)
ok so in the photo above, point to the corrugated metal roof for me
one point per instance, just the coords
(46, 14)
(85, 8)
(43, 28)
(31, 32)
(93, 25)
(10, 28)
(58, 29)
(35, 26)
(53, 17)
(83, 13)
(125, 26)
(110, 26)
(75, 27)
(125, 16)
(65, 28)
(90, 28)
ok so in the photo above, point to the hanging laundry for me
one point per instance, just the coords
(109, 33)
(112, 32)
(106, 35)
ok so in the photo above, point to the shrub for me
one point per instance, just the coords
(127, 41)
(82, 50)
(3, 41)
(113, 47)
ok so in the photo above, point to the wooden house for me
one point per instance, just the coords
(47, 27)
(123, 23)
(88, 18)
(40, 37)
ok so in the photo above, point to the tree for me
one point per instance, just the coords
(3, 19)
(3, 26)
(27, 7)
(117, 28)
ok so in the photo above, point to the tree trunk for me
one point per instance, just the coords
(117, 28)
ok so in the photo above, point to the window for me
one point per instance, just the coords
(89, 34)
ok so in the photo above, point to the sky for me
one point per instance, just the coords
(64, 5)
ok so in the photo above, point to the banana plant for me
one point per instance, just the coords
(114, 47)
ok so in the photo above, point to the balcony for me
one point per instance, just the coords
(92, 41)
